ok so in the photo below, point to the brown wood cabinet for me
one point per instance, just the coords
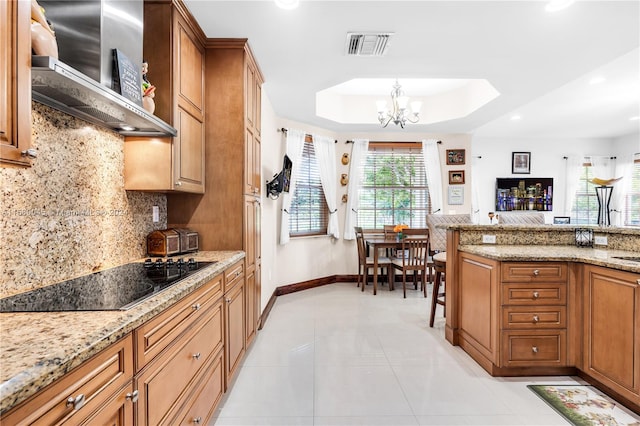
(98, 391)
(15, 82)
(175, 353)
(174, 49)
(227, 216)
(612, 329)
(235, 317)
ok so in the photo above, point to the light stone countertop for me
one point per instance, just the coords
(38, 348)
(533, 253)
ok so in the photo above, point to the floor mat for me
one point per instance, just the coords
(585, 405)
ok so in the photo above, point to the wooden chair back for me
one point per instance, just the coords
(362, 254)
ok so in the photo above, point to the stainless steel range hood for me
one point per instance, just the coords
(64, 88)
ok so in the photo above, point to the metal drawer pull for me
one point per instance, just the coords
(196, 307)
(196, 355)
(534, 349)
(536, 272)
(133, 397)
(536, 294)
(536, 318)
(77, 402)
(197, 420)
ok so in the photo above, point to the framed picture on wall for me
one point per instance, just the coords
(521, 163)
(456, 177)
(456, 196)
(455, 157)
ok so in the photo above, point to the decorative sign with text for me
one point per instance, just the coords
(126, 77)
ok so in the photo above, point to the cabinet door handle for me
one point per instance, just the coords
(536, 272)
(197, 420)
(536, 318)
(178, 183)
(196, 307)
(536, 294)
(132, 396)
(31, 153)
(534, 349)
(77, 402)
(196, 356)
(228, 300)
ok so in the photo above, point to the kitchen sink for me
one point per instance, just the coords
(630, 258)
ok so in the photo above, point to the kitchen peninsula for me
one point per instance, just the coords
(536, 304)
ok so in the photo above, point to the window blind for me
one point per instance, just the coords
(309, 213)
(393, 186)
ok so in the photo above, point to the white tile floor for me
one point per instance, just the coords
(336, 356)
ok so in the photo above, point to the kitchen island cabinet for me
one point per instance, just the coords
(15, 82)
(612, 329)
(174, 49)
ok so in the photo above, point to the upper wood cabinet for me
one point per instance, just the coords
(15, 82)
(174, 49)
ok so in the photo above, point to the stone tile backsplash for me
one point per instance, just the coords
(69, 214)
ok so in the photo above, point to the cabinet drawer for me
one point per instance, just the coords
(535, 294)
(534, 348)
(158, 333)
(94, 381)
(534, 272)
(233, 275)
(167, 380)
(207, 394)
(534, 317)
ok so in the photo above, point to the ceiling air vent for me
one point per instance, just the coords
(367, 44)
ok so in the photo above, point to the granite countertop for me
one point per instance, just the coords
(38, 348)
(621, 230)
(528, 253)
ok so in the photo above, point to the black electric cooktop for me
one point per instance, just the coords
(118, 288)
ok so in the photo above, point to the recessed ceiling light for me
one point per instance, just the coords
(556, 5)
(515, 117)
(287, 4)
(635, 118)
(597, 80)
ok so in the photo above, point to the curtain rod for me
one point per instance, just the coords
(306, 135)
(350, 141)
(587, 156)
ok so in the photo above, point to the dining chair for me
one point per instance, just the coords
(415, 250)
(365, 262)
(438, 249)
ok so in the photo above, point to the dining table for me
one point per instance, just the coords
(375, 244)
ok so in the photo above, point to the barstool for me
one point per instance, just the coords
(437, 297)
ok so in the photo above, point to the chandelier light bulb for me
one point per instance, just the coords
(399, 102)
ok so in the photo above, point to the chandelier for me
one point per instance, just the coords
(399, 114)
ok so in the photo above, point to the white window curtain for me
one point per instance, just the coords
(572, 179)
(358, 156)
(431, 157)
(325, 149)
(602, 167)
(475, 191)
(295, 144)
(624, 169)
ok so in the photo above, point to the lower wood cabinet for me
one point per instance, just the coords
(173, 369)
(612, 329)
(94, 393)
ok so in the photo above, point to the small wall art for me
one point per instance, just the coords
(456, 177)
(456, 195)
(455, 157)
(521, 163)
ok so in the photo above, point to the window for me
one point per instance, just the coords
(632, 198)
(393, 186)
(585, 206)
(309, 213)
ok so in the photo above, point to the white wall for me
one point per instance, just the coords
(546, 162)
(629, 144)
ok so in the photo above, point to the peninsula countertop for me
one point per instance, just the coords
(532, 253)
(39, 348)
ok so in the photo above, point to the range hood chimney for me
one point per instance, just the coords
(80, 81)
